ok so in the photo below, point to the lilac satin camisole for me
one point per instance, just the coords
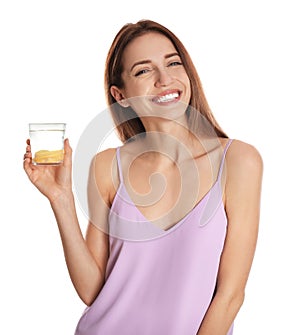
(158, 282)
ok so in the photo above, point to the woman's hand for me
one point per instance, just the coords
(50, 180)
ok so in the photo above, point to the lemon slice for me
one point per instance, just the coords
(48, 156)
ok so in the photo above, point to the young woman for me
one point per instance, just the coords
(174, 211)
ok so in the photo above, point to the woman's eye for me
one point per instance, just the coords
(175, 63)
(140, 72)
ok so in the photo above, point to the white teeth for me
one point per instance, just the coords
(167, 97)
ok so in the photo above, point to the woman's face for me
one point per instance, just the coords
(153, 70)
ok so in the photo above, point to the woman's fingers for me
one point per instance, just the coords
(27, 155)
(28, 149)
(27, 159)
(68, 153)
(27, 165)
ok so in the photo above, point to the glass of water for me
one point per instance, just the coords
(47, 143)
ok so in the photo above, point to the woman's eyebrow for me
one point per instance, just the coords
(171, 55)
(147, 61)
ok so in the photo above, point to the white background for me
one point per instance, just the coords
(51, 69)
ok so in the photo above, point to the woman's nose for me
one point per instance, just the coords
(163, 78)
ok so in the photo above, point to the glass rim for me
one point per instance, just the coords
(47, 125)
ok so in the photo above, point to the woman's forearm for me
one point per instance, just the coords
(85, 274)
(220, 315)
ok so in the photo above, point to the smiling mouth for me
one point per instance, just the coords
(167, 98)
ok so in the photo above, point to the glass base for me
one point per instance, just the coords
(47, 164)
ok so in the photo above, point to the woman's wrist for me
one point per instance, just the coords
(64, 209)
(62, 199)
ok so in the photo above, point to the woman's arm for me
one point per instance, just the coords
(86, 273)
(242, 205)
(86, 259)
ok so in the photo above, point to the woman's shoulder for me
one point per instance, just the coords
(106, 154)
(243, 156)
(107, 158)
(103, 168)
(242, 150)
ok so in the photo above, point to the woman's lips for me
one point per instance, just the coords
(167, 97)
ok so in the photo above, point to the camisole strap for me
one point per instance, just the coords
(223, 159)
(119, 165)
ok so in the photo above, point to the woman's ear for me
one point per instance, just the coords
(119, 97)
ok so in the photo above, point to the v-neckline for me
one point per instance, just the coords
(178, 223)
(217, 183)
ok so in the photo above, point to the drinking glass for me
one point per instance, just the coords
(47, 143)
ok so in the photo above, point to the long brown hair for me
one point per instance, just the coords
(126, 120)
